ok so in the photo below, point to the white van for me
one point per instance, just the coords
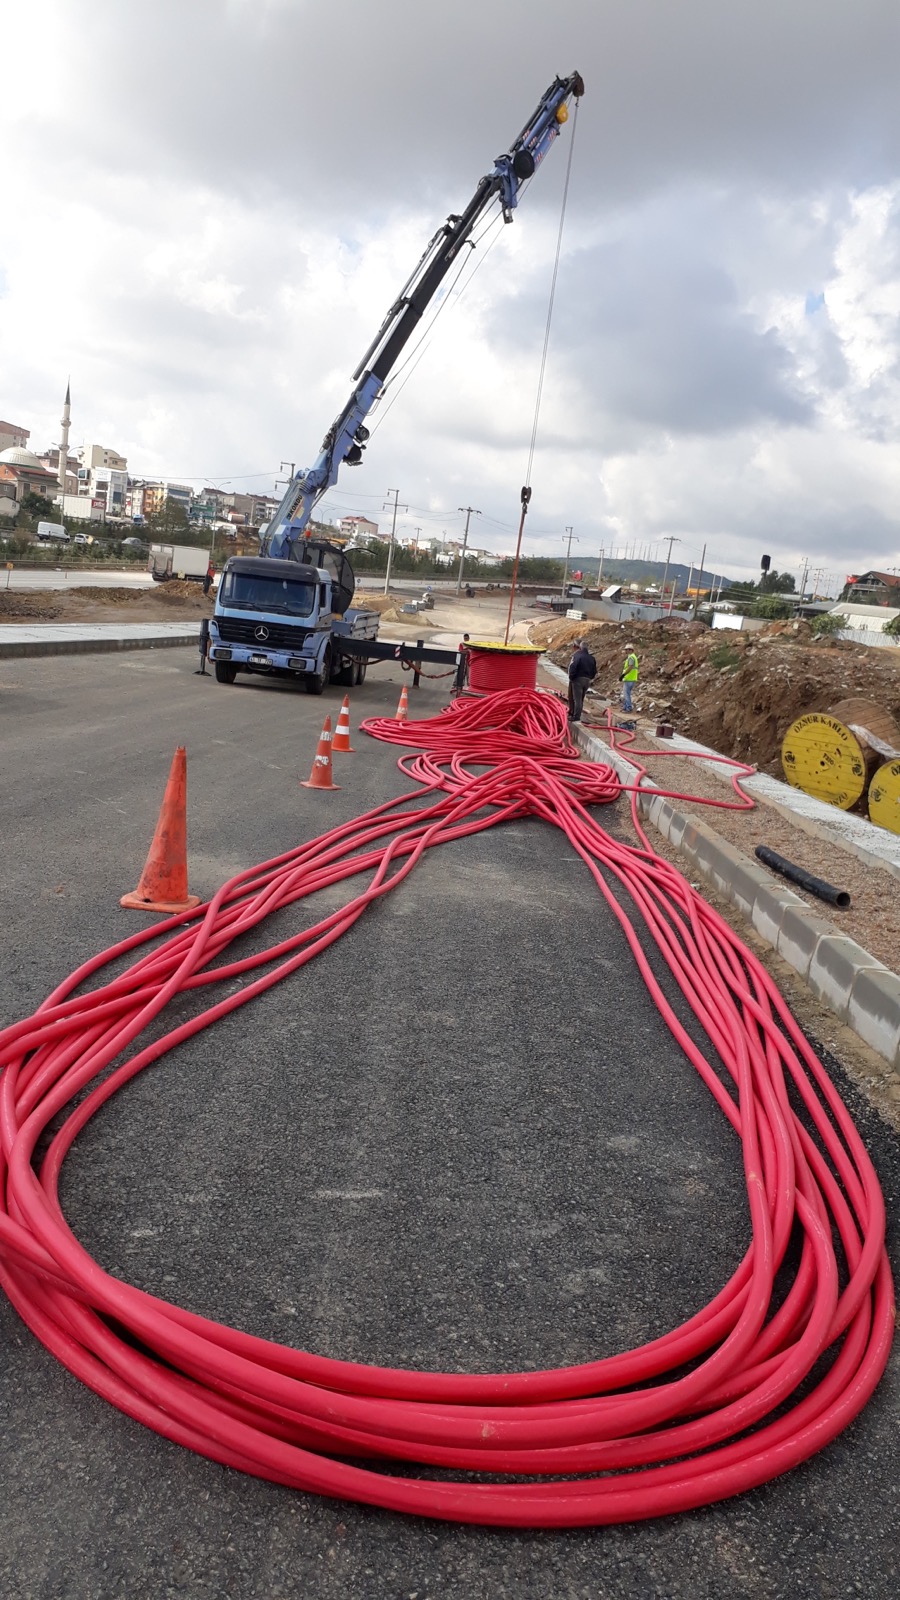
(47, 531)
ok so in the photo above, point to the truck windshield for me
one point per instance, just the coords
(247, 592)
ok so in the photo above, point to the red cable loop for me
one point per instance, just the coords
(634, 1439)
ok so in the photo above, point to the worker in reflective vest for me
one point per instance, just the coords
(629, 677)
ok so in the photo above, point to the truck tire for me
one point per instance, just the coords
(316, 682)
(360, 675)
(225, 672)
(347, 675)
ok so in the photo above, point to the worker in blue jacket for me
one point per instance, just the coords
(582, 672)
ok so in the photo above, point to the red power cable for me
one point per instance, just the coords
(632, 1436)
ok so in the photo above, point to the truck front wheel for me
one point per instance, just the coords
(316, 681)
(225, 672)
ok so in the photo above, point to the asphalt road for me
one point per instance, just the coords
(63, 577)
(462, 1138)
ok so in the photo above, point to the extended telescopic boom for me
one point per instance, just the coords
(346, 438)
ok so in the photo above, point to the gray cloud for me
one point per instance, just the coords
(233, 193)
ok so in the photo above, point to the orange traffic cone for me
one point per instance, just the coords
(341, 741)
(164, 880)
(320, 777)
(402, 712)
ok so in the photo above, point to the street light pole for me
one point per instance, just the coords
(386, 507)
(462, 556)
(571, 536)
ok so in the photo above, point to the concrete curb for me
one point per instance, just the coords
(874, 846)
(67, 647)
(861, 991)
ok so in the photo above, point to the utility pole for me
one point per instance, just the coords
(279, 481)
(803, 579)
(386, 507)
(570, 535)
(699, 582)
(672, 538)
(462, 555)
(416, 546)
(600, 567)
(689, 582)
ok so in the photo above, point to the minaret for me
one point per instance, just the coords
(64, 443)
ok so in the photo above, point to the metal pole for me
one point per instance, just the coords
(468, 510)
(803, 579)
(699, 583)
(672, 540)
(525, 498)
(570, 533)
(689, 582)
(600, 567)
(396, 494)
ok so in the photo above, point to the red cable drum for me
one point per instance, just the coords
(494, 666)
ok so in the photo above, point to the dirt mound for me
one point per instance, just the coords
(18, 604)
(97, 596)
(367, 601)
(557, 632)
(740, 692)
(93, 603)
(181, 593)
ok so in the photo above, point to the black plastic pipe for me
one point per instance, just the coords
(806, 880)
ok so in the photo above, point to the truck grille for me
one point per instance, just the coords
(280, 635)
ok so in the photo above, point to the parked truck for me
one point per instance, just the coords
(176, 561)
(288, 610)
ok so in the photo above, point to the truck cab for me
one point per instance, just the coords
(289, 619)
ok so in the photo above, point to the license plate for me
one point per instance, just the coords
(259, 661)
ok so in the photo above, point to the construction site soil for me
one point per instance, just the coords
(165, 602)
(736, 692)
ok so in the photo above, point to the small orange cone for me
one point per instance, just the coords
(320, 777)
(402, 712)
(164, 880)
(341, 741)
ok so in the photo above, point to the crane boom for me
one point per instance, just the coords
(346, 438)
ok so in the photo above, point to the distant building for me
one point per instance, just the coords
(103, 479)
(873, 589)
(50, 459)
(12, 437)
(359, 528)
(863, 618)
(22, 473)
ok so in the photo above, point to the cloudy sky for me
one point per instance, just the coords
(209, 205)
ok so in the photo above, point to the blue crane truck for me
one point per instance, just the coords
(288, 611)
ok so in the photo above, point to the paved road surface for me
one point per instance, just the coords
(63, 577)
(461, 1138)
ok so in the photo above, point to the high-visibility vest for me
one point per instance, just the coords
(631, 668)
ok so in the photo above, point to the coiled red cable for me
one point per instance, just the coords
(631, 1436)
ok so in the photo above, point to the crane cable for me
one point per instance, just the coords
(525, 496)
(547, 327)
(786, 1354)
